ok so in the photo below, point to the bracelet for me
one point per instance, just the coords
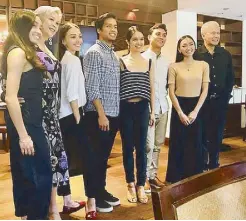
(26, 140)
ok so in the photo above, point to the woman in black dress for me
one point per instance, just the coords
(29, 151)
(188, 81)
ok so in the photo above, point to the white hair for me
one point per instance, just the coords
(43, 11)
(207, 25)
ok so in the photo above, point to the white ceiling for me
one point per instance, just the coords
(232, 9)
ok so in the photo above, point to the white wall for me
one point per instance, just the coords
(178, 23)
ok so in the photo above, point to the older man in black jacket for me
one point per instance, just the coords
(219, 94)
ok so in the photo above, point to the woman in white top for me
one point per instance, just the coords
(73, 98)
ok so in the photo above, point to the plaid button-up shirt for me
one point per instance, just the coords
(102, 74)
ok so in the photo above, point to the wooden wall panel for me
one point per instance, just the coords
(91, 11)
(81, 9)
(17, 3)
(69, 8)
(3, 3)
(30, 4)
(57, 4)
(142, 17)
(44, 2)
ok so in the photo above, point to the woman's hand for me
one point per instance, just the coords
(184, 119)
(77, 118)
(151, 119)
(192, 116)
(26, 146)
(21, 100)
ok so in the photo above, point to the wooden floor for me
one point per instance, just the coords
(116, 184)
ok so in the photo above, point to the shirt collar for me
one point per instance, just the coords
(105, 46)
(217, 49)
(68, 52)
(153, 54)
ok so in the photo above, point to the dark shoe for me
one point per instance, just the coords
(68, 210)
(103, 207)
(156, 183)
(225, 147)
(110, 199)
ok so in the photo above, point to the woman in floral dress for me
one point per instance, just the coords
(51, 18)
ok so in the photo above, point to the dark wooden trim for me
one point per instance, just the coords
(169, 197)
(167, 141)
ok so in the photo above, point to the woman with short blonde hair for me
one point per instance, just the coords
(51, 19)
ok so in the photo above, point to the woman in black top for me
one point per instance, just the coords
(136, 93)
(29, 152)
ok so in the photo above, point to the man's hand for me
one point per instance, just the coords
(103, 123)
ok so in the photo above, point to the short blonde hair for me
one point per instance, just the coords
(43, 11)
(207, 25)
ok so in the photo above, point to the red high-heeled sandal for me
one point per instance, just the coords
(68, 210)
(92, 215)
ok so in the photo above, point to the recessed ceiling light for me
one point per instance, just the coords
(225, 9)
(135, 10)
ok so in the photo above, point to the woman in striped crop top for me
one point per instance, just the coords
(136, 95)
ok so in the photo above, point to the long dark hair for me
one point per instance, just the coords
(179, 55)
(20, 26)
(62, 34)
(131, 31)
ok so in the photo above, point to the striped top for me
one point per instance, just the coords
(134, 84)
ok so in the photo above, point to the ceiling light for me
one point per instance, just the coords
(135, 10)
(225, 9)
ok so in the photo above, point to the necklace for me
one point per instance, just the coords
(189, 65)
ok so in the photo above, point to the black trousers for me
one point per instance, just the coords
(31, 175)
(134, 121)
(213, 123)
(70, 129)
(102, 143)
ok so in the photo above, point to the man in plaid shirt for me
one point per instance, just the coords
(102, 73)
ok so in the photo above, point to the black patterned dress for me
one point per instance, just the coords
(51, 106)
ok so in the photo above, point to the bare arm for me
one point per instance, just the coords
(71, 70)
(193, 115)
(172, 77)
(202, 97)
(92, 63)
(16, 61)
(183, 118)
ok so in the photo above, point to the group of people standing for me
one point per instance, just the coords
(49, 99)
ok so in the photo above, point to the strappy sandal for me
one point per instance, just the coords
(54, 216)
(142, 198)
(131, 193)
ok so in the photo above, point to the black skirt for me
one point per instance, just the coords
(185, 157)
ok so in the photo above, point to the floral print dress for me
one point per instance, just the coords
(51, 106)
